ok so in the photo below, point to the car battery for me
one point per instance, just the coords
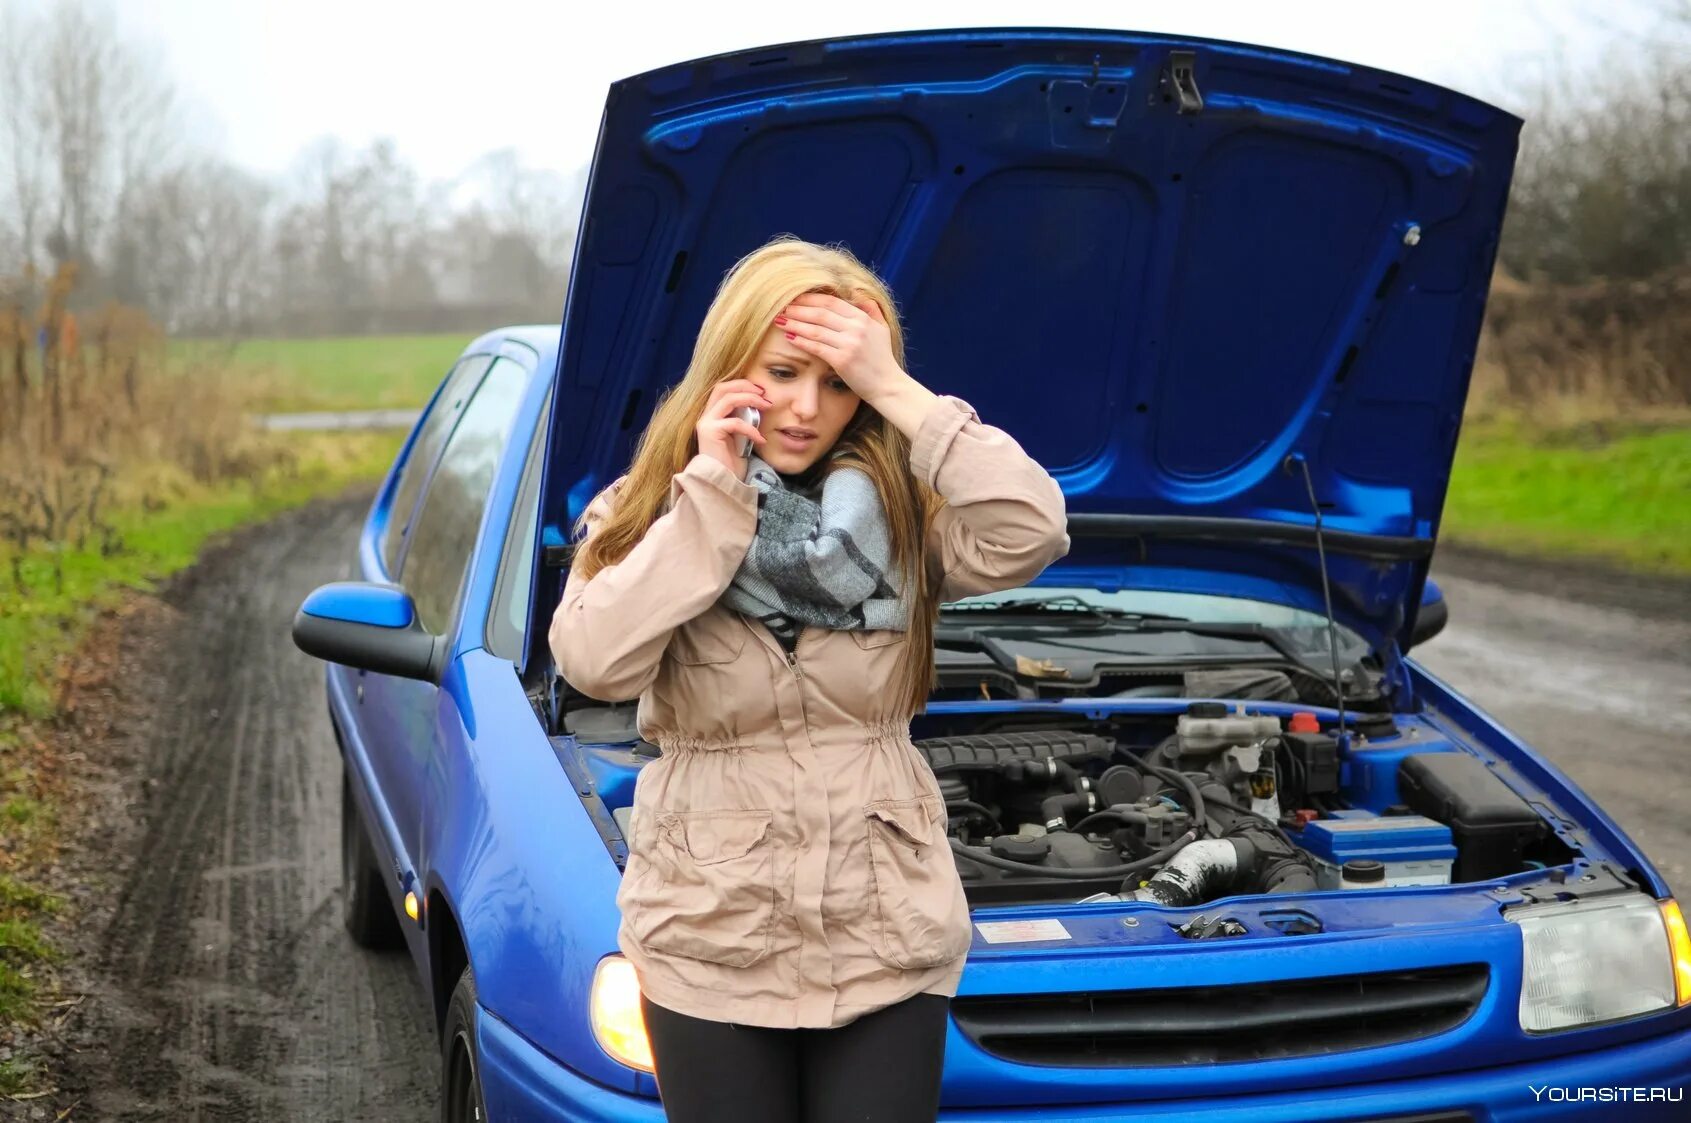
(1414, 849)
(1369, 771)
(1492, 826)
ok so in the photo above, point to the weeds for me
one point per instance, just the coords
(1559, 356)
(98, 419)
(22, 946)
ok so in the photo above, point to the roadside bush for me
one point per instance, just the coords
(95, 416)
(1602, 350)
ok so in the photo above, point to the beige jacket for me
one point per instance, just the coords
(789, 864)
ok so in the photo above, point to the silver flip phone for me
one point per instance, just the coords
(751, 414)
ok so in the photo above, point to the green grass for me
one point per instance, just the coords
(16, 1077)
(38, 629)
(14, 894)
(354, 372)
(21, 944)
(1616, 494)
(23, 811)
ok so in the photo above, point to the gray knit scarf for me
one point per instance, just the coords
(822, 555)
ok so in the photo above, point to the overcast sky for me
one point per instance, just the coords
(452, 79)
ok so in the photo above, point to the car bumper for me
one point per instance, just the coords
(521, 1083)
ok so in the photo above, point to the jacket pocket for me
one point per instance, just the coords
(875, 637)
(921, 913)
(700, 641)
(709, 890)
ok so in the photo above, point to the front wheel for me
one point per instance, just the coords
(460, 1074)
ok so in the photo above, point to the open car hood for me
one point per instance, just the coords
(1180, 272)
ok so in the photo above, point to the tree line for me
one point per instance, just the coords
(96, 172)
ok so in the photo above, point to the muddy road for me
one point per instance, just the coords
(222, 986)
(1592, 670)
(225, 986)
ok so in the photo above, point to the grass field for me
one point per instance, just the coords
(376, 372)
(36, 632)
(1616, 493)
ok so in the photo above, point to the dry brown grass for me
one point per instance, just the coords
(1606, 351)
(101, 419)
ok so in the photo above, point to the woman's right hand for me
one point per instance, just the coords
(718, 433)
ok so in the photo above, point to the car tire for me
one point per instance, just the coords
(365, 907)
(461, 1099)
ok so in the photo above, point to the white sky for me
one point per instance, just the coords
(452, 79)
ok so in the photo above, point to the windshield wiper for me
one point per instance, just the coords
(1057, 604)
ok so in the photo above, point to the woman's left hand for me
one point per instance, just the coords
(852, 338)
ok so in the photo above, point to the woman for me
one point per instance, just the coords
(790, 903)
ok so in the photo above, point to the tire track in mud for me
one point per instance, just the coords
(227, 988)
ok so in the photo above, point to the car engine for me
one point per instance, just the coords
(1226, 803)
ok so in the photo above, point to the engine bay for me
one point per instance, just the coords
(1228, 802)
(1202, 801)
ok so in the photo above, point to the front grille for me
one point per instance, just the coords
(1214, 1024)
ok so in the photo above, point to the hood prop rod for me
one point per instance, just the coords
(1326, 593)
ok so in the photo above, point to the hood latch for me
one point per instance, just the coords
(1179, 81)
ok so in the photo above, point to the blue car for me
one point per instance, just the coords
(1229, 297)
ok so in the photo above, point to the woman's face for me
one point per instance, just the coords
(805, 397)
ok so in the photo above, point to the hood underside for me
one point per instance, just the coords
(1179, 272)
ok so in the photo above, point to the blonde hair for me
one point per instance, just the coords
(752, 293)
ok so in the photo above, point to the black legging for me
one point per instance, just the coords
(882, 1067)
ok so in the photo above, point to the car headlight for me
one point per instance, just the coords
(614, 1010)
(1600, 960)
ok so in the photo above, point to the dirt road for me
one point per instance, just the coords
(1593, 671)
(223, 986)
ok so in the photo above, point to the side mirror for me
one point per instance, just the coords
(370, 626)
(1432, 616)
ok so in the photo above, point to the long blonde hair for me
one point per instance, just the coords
(751, 295)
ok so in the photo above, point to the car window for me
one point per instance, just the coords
(509, 618)
(451, 510)
(460, 383)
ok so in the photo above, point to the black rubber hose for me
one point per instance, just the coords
(1108, 813)
(1056, 808)
(988, 858)
(1184, 781)
(971, 805)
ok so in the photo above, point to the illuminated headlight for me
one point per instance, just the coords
(1599, 960)
(618, 1024)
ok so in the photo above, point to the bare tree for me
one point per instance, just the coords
(28, 174)
(85, 114)
(191, 249)
(1603, 180)
(95, 172)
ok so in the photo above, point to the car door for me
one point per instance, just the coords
(385, 537)
(403, 714)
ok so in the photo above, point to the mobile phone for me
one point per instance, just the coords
(751, 414)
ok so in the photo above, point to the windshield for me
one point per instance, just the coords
(1305, 631)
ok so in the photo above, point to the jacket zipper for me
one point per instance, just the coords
(793, 656)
